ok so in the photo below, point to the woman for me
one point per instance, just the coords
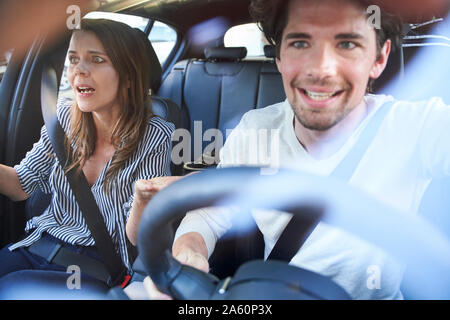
(112, 136)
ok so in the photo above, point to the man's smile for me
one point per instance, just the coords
(319, 98)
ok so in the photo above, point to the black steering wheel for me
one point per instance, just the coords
(409, 238)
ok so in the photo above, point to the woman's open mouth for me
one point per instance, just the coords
(85, 91)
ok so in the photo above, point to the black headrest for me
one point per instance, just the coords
(155, 66)
(270, 51)
(223, 53)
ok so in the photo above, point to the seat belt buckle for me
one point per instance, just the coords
(121, 280)
(126, 281)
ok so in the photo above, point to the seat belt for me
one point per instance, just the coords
(118, 273)
(299, 228)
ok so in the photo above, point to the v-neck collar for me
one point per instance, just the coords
(327, 164)
(102, 174)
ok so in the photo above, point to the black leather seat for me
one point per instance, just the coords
(164, 108)
(219, 89)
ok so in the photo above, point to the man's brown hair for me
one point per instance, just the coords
(272, 16)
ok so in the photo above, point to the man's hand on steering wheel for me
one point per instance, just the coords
(189, 249)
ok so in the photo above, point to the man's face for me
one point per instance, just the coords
(327, 55)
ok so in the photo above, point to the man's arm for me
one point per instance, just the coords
(10, 185)
(434, 151)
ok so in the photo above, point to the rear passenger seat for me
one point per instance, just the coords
(218, 90)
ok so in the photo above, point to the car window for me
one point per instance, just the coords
(246, 35)
(163, 39)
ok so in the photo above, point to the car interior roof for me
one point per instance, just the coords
(185, 14)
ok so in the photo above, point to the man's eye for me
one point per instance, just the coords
(97, 59)
(348, 45)
(300, 44)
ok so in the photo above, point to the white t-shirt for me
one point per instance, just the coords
(410, 148)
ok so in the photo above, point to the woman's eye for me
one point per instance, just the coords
(300, 44)
(348, 45)
(73, 59)
(97, 59)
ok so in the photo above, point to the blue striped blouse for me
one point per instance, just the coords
(63, 218)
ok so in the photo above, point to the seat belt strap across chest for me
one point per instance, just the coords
(78, 183)
(299, 229)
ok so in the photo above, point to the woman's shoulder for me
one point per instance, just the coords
(159, 126)
(159, 132)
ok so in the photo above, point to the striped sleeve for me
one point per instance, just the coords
(156, 157)
(34, 170)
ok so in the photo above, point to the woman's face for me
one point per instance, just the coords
(91, 74)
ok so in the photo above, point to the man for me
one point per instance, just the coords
(328, 55)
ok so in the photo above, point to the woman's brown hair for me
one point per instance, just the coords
(128, 55)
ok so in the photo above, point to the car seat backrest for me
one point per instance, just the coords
(218, 90)
(271, 85)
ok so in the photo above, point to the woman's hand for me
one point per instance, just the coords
(144, 190)
(10, 184)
